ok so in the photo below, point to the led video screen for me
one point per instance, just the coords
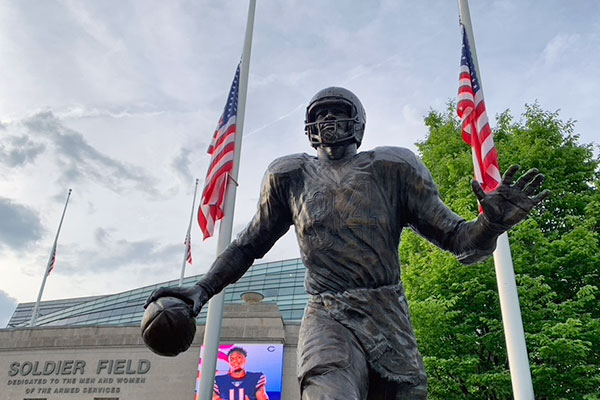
(247, 371)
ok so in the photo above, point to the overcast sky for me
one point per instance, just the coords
(118, 99)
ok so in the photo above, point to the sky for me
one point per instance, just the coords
(117, 100)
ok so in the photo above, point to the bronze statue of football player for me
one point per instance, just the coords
(348, 209)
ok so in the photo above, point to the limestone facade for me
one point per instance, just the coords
(112, 362)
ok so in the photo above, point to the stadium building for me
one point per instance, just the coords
(90, 347)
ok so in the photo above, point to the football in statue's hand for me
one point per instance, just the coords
(168, 326)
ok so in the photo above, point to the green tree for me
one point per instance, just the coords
(556, 255)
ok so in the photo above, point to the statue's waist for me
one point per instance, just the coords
(361, 291)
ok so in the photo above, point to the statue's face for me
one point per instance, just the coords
(333, 123)
(237, 362)
(334, 103)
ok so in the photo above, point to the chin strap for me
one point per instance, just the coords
(343, 143)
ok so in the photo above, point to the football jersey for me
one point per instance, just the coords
(229, 388)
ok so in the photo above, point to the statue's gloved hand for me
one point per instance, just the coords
(194, 296)
(510, 203)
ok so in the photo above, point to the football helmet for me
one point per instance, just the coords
(320, 132)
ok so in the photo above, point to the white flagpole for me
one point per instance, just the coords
(212, 330)
(48, 266)
(507, 288)
(188, 237)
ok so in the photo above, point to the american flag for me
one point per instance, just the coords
(188, 248)
(476, 129)
(221, 149)
(51, 260)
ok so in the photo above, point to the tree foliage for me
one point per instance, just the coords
(556, 255)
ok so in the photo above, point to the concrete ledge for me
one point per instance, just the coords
(240, 321)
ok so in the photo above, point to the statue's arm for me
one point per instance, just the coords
(271, 221)
(472, 241)
(504, 208)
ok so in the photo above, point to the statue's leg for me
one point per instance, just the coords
(339, 384)
(383, 389)
(411, 392)
(331, 363)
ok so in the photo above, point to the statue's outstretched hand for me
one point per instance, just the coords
(510, 203)
(194, 295)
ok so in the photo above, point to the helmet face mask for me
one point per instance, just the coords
(332, 124)
(335, 117)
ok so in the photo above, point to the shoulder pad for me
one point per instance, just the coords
(403, 158)
(394, 155)
(289, 163)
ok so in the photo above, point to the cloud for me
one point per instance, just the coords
(181, 164)
(80, 111)
(559, 46)
(20, 225)
(276, 120)
(504, 6)
(116, 254)
(16, 151)
(102, 236)
(7, 307)
(79, 161)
